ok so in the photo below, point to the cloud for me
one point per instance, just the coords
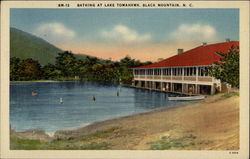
(194, 32)
(54, 32)
(124, 34)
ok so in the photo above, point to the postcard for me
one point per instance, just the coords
(124, 79)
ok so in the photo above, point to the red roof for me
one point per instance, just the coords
(199, 56)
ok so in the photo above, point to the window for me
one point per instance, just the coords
(136, 72)
(164, 72)
(177, 71)
(190, 71)
(157, 72)
(180, 71)
(194, 71)
(174, 71)
(203, 71)
(206, 70)
(142, 72)
(149, 72)
(169, 71)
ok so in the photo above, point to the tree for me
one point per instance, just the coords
(105, 72)
(126, 75)
(227, 68)
(66, 62)
(50, 71)
(127, 61)
(14, 68)
(30, 70)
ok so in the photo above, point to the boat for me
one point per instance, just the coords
(187, 98)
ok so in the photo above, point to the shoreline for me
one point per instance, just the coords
(83, 125)
(40, 81)
(210, 124)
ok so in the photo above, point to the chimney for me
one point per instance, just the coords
(204, 43)
(227, 40)
(180, 51)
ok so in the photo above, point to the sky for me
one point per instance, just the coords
(143, 34)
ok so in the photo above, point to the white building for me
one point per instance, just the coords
(186, 72)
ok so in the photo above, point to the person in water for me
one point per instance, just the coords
(93, 98)
(34, 93)
(61, 101)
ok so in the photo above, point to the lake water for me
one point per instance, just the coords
(44, 111)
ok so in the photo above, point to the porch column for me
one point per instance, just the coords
(182, 74)
(153, 73)
(171, 74)
(197, 71)
(212, 89)
(195, 89)
(161, 73)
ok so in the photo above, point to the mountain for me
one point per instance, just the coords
(25, 45)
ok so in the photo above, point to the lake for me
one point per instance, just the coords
(45, 111)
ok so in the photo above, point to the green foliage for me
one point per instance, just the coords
(129, 62)
(88, 142)
(125, 65)
(25, 144)
(126, 75)
(30, 70)
(50, 72)
(105, 73)
(166, 143)
(96, 146)
(66, 62)
(29, 53)
(231, 94)
(14, 68)
(25, 70)
(68, 67)
(227, 69)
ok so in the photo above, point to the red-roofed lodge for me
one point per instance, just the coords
(185, 73)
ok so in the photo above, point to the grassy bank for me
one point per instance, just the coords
(212, 124)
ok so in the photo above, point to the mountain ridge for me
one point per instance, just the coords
(26, 45)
